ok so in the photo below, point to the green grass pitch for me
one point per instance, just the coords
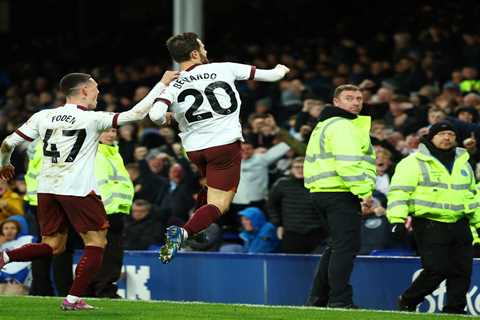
(26, 308)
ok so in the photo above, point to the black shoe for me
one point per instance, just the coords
(402, 306)
(315, 302)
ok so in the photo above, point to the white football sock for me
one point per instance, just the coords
(184, 233)
(72, 299)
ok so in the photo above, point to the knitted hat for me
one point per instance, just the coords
(440, 126)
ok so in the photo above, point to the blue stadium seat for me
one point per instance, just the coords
(230, 236)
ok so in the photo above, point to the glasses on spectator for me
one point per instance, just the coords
(297, 167)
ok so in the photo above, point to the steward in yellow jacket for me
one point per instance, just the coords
(339, 171)
(436, 186)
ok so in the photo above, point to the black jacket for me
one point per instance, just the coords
(289, 206)
(179, 201)
(331, 111)
(139, 235)
(153, 188)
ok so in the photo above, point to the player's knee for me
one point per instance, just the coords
(57, 248)
(221, 205)
(95, 238)
(97, 242)
(224, 208)
(56, 243)
(220, 199)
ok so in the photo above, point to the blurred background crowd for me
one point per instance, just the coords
(415, 68)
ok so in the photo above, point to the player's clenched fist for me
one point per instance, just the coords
(282, 68)
(7, 172)
(169, 76)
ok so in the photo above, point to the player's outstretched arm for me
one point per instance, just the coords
(7, 171)
(141, 109)
(271, 75)
(27, 132)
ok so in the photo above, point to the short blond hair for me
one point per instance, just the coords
(345, 87)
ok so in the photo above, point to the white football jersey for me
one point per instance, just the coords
(206, 104)
(70, 140)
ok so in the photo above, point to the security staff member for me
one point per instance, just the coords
(339, 171)
(436, 185)
(116, 190)
(35, 153)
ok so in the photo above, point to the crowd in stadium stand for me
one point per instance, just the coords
(409, 80)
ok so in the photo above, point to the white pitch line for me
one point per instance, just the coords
(418, 314)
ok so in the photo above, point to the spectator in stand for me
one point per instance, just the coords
(472, 100)
(259, 236)
(141, 228)
(10, 202)
(127, 142)
(467, 114)
(435, 115)
(290, 209)
(408, 76)
(140, 153)
(383, 163)
(156, 162)
(375, 231)
(263, 106)
(149, 187)
(253, 187)
(179, 201)
(309, 115)
(254, 180)
(262, 131)
(14, 277)
(292, 93)
(397, 117)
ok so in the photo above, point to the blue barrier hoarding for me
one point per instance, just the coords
(274, 279)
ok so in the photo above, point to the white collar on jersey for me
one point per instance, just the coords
(72, 105)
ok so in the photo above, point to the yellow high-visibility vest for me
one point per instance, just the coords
(340, 157)
(31, 177)
(115, 186)
(423, 187)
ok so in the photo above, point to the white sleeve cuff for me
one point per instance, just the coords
(158, 112)
(270, 75)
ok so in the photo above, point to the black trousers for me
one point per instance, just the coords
(446, 252)
(41, 283)
(294, 242)
(103, 284)
(331, 286)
